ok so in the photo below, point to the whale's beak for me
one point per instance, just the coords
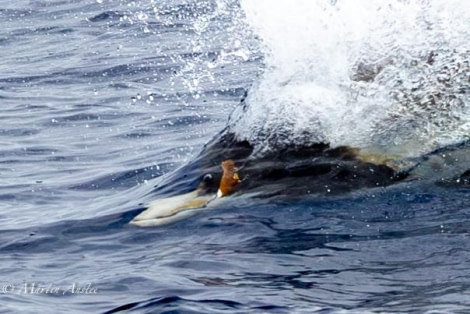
(171, 209)
(174, 208)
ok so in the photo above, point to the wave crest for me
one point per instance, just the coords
(385, 76)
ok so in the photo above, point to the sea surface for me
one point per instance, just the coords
(100, 100)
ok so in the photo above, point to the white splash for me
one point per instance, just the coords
(385, 76)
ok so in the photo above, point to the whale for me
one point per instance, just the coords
(226, 167)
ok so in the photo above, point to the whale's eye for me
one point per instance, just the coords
(207, 178)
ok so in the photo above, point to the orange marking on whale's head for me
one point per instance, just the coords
(230, 178)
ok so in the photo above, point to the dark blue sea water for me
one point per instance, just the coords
(100, 100)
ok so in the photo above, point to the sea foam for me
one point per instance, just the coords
(385, 76)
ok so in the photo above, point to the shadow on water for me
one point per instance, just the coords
(176, 304)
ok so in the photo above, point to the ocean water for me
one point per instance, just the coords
(102, 100)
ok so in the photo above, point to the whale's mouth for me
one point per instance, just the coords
(173, 208)
(167, 210)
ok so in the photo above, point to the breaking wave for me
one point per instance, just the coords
(384, 76)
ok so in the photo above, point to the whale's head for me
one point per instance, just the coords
(226, 167)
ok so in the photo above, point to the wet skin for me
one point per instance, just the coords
(226, 167)
(315, 169)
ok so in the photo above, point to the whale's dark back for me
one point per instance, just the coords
(297, 170)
